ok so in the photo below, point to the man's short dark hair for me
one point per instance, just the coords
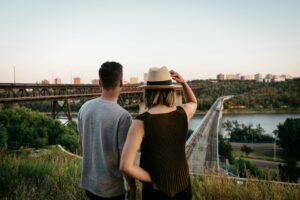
(110, 74)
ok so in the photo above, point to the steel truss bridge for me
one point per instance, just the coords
(60, 94)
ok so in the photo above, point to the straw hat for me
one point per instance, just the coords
(159, 78)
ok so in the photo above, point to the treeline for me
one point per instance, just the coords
(46, 106)
(250, 94)
(281, 95)
(23, 127)
(246, 133)
(287, 136)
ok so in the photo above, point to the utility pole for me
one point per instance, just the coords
(275, 148)
(14, 74)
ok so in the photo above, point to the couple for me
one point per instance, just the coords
(110, 140)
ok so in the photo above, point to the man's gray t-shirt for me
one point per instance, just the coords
(103, 126)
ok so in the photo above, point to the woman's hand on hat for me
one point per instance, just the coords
(175, 76)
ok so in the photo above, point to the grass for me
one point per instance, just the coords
(47, 174)
(261, 155)
(51, 174)
(207, 188)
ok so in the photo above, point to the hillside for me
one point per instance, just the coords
(52, 174)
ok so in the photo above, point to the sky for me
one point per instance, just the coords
(45, 39)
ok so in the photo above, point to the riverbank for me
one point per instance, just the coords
(260, 111)
(251, 111)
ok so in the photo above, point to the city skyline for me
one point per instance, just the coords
(199, 39)
(140, 77)
(136, 80)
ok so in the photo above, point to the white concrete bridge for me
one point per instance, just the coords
(202, 146)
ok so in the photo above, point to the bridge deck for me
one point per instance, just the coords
(202, 147)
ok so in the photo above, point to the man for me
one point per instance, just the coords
(103, 127)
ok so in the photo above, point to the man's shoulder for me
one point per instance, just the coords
(87, 104)
(122, 110)
(117, 109)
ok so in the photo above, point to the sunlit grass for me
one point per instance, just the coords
(48, 174)
(224, 188)
(51, 174)
(261, 155)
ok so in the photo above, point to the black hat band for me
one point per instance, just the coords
(168, 82)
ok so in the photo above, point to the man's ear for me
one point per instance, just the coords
(121, 83)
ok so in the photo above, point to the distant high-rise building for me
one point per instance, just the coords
(220, 77)
(247, 77)
(266, 80)
(45, 81)
(288, 77)
(277, 78)
(134, 80)
(258, 77)
(238, 76)
(269, 76)
(76, 80)
(230, 76)
(57, 81)
(145, 77)
(95, 81)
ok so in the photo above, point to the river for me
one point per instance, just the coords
(268, 122)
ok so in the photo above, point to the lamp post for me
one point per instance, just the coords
(275, 148)
(275, 132)
(251, 135)
(14, 74)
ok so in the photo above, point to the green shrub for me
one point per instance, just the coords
(24, 127)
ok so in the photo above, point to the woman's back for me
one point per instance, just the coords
(163, 149)
(160, 133)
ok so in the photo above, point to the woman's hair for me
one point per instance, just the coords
(159, 96)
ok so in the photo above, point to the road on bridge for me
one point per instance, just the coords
(202, 146)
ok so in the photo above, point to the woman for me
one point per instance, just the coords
(160, 133)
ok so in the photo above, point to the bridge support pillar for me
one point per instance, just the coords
(64, 106)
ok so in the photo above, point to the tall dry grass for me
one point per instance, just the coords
(52, 174)
(48, 174)
(207, 188)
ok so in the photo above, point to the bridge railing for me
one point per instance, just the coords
(190, 143)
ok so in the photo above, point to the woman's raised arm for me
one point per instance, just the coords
(130, 150)
(191, 105)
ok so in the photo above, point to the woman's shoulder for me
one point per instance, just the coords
(142, 116)
(181, 112)
(180, 109)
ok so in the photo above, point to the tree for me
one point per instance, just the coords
(25, 127)
(289, 139)
(247, 169)
(246, 133)
(246, 149)
(3, 137)
(225, 149)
